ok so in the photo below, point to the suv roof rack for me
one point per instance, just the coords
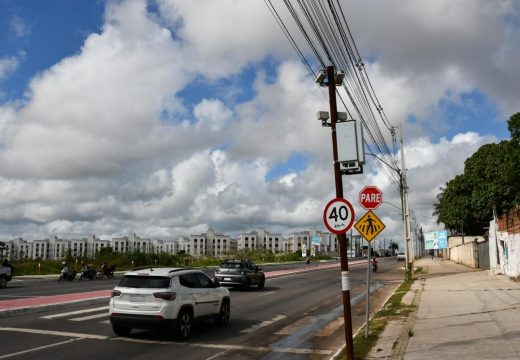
(175, 270)
(143, 268)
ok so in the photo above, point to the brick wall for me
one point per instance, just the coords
(510, 222)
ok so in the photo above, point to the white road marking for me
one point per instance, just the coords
(267, 293)
(57, 333)
(142, 341)
(90, 317)
(79, 336)
(264, 349)
(37, 348)
(289, 329)
(75, 312)
(263, 324)
(331, 327)
(218, 354)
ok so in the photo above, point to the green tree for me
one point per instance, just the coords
(491, 179)
(513, 125)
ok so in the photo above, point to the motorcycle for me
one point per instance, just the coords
(87, 272)
(374, 266)
(67, 274)
(107, 271)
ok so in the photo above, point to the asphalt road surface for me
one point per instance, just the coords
(296, 316)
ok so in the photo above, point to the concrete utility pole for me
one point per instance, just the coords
(342, 239)
(406, 213)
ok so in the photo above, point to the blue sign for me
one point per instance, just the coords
(436, 240)
(443, 239)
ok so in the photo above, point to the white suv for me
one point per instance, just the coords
(167, 298)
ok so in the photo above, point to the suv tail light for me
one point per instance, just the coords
(115, 293)
(168, 296)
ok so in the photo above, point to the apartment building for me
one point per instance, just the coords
(260, 239)
(209, 243)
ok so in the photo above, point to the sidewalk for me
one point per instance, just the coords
(462, 313)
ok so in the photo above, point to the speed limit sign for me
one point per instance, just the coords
(338, 216)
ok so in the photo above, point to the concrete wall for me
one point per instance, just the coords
(465, 254)
(471, 251)
(504, 251)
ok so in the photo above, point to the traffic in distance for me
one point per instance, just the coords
(295, 297)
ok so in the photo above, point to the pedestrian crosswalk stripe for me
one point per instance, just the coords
(289, 329)
(331, 327)
(96, 316)
(263, 324)
(75, 312)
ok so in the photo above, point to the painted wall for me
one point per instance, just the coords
(504, 251)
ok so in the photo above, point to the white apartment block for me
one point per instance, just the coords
(161, 246)
(132, 243)
(260, 239)
(210, 243)
(297, 239)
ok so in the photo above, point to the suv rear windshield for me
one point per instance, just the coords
(147, 282)
(231, 265)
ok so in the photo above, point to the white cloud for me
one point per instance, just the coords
(105, 144)
(7, 65)
(212, 114)
(426, 52)
(223, 36)
(19, 27)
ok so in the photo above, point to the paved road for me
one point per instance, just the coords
(296, 316)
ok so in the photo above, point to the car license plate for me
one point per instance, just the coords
(227, 279)
(138, 298)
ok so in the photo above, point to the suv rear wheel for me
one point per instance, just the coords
(224, 314)
(183, 325)
(121, 330)
(261, 284)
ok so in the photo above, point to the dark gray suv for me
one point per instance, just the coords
(243, 273)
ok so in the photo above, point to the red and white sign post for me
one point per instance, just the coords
(370, 197)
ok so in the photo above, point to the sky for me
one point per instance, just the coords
(166, 118)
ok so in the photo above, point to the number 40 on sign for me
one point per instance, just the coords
(338, 216)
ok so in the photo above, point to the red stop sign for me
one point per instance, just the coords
(370, 197)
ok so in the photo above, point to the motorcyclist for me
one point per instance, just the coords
(64, 270)
(373, 262)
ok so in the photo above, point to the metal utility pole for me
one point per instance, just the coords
(342, 239)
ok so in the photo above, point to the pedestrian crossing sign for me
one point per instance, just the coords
(369, 226)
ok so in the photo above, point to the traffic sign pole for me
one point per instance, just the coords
(367, 313)
(342, 238)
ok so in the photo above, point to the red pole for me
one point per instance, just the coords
(342, 239)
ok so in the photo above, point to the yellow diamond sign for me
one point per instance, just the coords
(369, 226)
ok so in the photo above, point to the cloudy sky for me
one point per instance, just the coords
(169, 117)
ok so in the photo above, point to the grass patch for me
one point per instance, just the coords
(392, 308)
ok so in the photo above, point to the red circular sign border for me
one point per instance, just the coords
(349, 226)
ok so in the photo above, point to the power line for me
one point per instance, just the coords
(326, 32)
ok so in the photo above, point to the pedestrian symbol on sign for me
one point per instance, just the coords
(369, 226)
